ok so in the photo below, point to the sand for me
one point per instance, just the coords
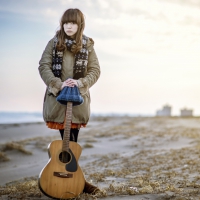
(126, 157)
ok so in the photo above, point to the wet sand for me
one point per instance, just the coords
(126, 157)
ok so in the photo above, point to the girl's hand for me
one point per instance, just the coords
(69, 82)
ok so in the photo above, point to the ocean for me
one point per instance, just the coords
(33, 117)
(20, 117)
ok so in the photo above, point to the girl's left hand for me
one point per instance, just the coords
(70, 83)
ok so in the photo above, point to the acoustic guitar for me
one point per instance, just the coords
(62, 177)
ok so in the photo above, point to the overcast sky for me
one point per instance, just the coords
(148, 52)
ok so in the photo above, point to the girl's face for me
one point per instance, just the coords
(70, 28)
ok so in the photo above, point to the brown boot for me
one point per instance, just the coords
(90, 189)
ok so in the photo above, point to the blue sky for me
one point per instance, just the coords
(148, 52)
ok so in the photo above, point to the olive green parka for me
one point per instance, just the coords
(53, 111)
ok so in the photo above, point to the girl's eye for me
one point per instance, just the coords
(70, 23)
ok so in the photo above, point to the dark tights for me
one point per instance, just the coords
(73, 134)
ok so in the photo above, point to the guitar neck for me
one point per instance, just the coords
(68, 119)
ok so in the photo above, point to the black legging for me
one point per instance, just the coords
(73, 134)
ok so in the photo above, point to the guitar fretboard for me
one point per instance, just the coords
(68, 119)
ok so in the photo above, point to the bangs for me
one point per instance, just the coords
(71, 16)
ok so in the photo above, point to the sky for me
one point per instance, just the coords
(148, 52)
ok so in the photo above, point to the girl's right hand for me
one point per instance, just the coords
(70, 83)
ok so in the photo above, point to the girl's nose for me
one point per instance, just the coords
(69, 25)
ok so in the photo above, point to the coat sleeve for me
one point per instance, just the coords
(45, 69)
(93, 70)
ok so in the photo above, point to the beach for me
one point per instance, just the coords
(126, 157)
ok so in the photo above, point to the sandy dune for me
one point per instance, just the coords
(128, 158)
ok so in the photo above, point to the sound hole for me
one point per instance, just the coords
(65, 157)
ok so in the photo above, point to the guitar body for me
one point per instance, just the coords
(60, 179)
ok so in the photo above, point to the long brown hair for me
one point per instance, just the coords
(77, 17)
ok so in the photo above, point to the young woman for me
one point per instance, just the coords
(69, 59)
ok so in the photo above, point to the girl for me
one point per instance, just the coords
(69, 59)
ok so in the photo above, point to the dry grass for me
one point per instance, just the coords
(28, 189)
(148, 173)
(15, 146)
(3, 157)
(87, 145)
(38, 142)
(91, 140)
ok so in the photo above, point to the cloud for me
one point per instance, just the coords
(144, 25)
(49, 12)
(193, 3)
(109, 12)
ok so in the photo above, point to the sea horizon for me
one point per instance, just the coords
(11, 117)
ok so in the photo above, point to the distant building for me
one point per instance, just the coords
(166, 111)
(186, 112)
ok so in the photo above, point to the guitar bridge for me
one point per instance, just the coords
(63, 175)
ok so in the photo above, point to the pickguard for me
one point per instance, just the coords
(72, 166)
